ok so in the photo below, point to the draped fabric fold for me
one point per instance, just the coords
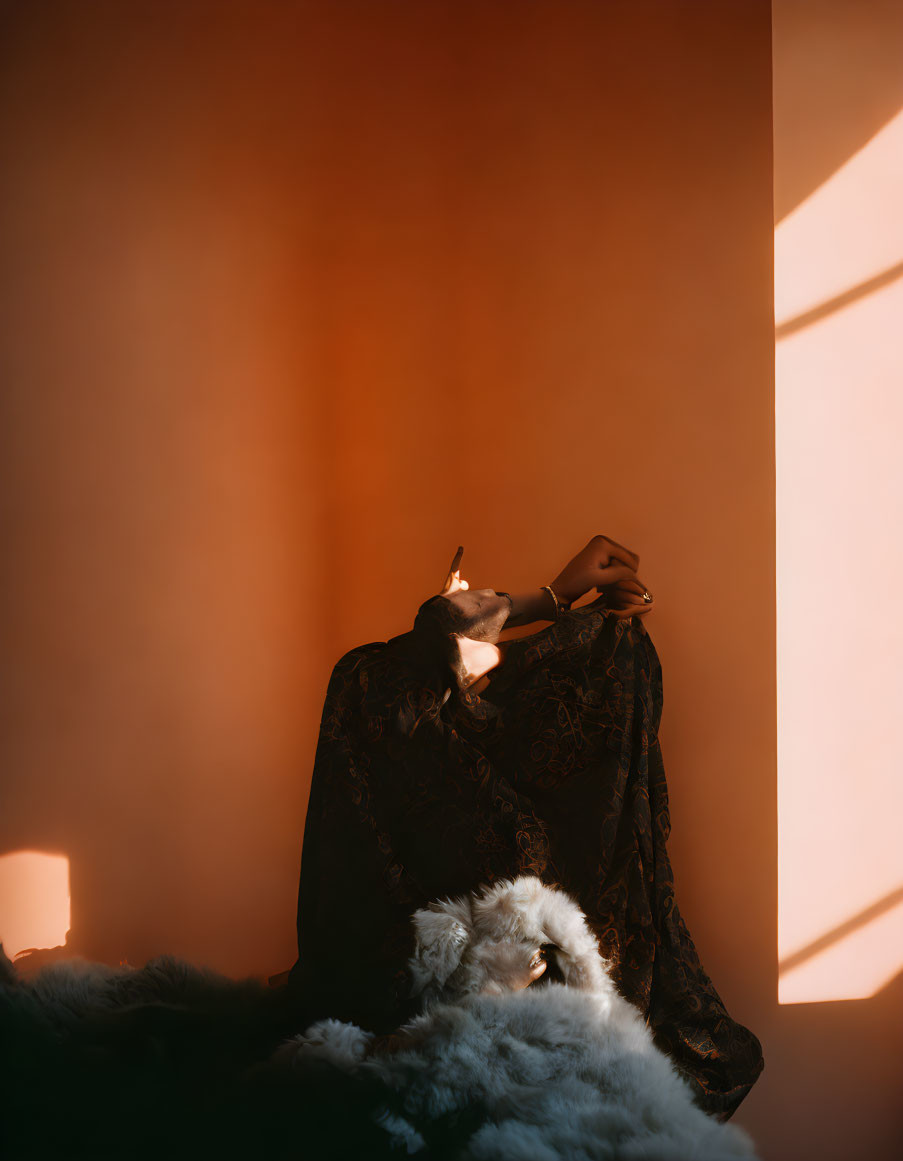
(555, 770)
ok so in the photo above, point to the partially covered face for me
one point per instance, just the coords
(485, 609)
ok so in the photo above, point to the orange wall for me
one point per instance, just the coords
(297, 298)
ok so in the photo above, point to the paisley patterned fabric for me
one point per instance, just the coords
(555, 770)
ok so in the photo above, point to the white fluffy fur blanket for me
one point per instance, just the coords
(173, 1061)
(562, 1069)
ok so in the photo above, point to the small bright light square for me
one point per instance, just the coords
(34, 901)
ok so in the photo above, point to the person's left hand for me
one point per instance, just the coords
(625, 598)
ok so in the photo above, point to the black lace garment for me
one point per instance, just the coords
(554, 770)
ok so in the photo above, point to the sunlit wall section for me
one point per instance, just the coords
(34, 901)
(839, 452)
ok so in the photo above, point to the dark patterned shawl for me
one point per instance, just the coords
(554, 770)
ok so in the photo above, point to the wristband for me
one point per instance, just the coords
(560, 606)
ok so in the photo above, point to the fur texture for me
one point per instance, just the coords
(170, 1060)
(565, 1068)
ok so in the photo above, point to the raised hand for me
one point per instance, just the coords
(611, 569)
(604, 565)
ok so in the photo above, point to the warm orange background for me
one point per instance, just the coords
(296, 298)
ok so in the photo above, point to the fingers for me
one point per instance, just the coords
(631, 588)
(631, 585)
(618, 551)
(623, 553)
(614, 572)
(455, 585)
(623, 598)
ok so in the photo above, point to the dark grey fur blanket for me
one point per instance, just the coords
(165, 1061)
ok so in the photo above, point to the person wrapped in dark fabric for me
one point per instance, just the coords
(447, 759)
